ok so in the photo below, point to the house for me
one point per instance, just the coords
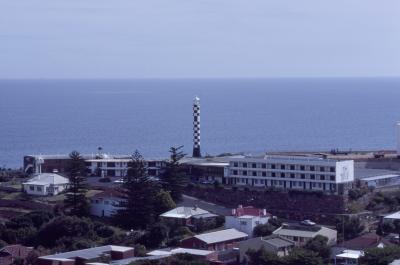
(9, 254)
(300, 233)
(45, 184)
(276, 244)
(199, 253)
(348, 257)
(188, 216)
(245, 219)
(364, 242)
(89, 255)
(219, 240)
(106, 203)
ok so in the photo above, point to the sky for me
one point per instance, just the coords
(199, 38)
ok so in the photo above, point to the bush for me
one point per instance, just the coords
(105, 179)
(263, 230)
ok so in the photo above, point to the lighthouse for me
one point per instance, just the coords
(196, 127)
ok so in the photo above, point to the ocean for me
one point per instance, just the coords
(237, 115)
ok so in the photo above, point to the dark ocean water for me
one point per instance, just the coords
(58, 116)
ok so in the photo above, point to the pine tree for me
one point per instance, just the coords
(174, 178)
(137, 210)
(75, 198)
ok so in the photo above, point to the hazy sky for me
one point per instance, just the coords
(198, 38)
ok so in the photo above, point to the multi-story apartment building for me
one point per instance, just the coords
(101, 165)
(292, 172)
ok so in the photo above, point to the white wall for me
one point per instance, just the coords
(42, 192)
(245, 225)
(344, 171)
(104, 207)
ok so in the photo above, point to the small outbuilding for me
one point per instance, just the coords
(46, 184)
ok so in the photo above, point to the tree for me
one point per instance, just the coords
(319, 245)
(351, 227)
(263, 230)
(174, 178)
(263, 257)
(137, 208)
(75, 199)
(380, 256)
(163, 202)
(303, 257)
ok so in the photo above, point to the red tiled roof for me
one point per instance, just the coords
(249, 210)
(16, 251)
(362, 242)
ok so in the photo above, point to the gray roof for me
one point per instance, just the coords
(87, 254)
(221, 236)
(204, 215)
(278, 242)
(361, 173)
(301, 231)
(47, 179)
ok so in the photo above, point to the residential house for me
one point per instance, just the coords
(187, 216)
(89, 255)
(275, 244)
(219, 240)
(45, 184)
(9, 254)
(300, 233)
(106, 203)
(245, 219)
(199, 253)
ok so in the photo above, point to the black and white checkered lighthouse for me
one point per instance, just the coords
(196, 127)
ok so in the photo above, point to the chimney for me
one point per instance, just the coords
(234, 212)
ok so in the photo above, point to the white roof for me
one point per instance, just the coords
(198, 252)
(351, 254)
(184, 212)
(47, 179)
(159, 253)
(395, 262)
(395, 215)
(288, 231)
(221, 236)
(381, 177)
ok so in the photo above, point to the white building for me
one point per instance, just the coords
(245, 219)
(45, 184)
(118, 167)
(292, 172)
(300, 233)
(106, 203)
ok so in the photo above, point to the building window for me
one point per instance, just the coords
(244, 173)
(282, 175)
(302, 168)
(254, 173)
(254, 165)
(264, 174)
(235, 164)
(312, 168)
(106, 202)
(333, 178)
(273, 174)
(312, 176)
(273, 166)
(332, 169)
(283, 167)
(321, 177)
(243, 223)
(32, 188)
(292, 175)
(256, 181)
(244, 164)
(235, 172)
(303, 176)
(322, 169)
(262, 181)
(292, 167)
(263, 165)
(39, 188)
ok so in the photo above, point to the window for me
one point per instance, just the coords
(292, 176)
(243, 223)
(32, 188)
(319, 185)
(263, 165)
(313, 184)
(106, 202)
(312, 168)
(262, 181)
(283, 167)
(282, 175)
(321, 177)
(235, 172)
(322, 169)
(256, 181)
(332, 169)
(303, 176)
(312, 176)
(291, 167)
(333, 178)
(244, 164)
(244, 173)
(264, 174)
(235, 164)
(39, 188)
(254, 165)
(273, 166)
(302, 168)
(254, 173)
(273, 174)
